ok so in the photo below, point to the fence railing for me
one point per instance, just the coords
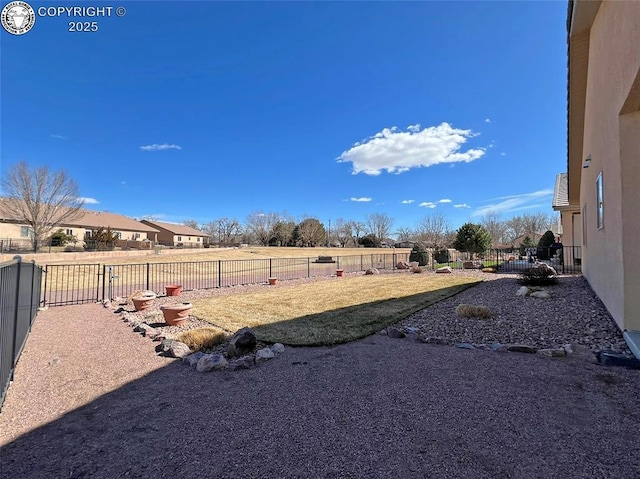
(20, 286)
(84, 283)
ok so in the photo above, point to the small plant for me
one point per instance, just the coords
(472, 311)
(536, 276)
(201, 339)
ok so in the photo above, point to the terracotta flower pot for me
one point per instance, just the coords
(176, 314)
(143, 301)
(273, 281)
(173, 289)
(339, 272)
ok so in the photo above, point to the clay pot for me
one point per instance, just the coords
(273, 281)
(143, 301)
(339, 272)
(176, 314)
(173, 289)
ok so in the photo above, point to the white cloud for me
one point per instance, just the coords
(58, 137)
(88, 201)
(444, 200)
(157, 147)
(503, 154)
(363, 199)
(487, 120)
(461, 205)
(505, 204)
(399, 151)
(427, 204)
(123, 182)
(407, 202)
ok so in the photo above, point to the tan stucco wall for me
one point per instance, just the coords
(11, 231)
(614, 62)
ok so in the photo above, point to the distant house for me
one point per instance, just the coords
(171, 234)
(17, 230)
(599, 195)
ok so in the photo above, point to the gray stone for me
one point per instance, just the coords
(395, 333)
(402, 265)
(383, 332)
(242, 342)
(523, 291)
(164, 346)
(495, 346)
(411, 330)
(464, 346)
(372, 271)
(434, 340)
(444, 269)
(553, 353)
(120, 309)
(264, 354)
(211, 362)
(521, 348)
(540, 294)
(277, 348)
(151, 333)
(141, 328)
(179, 350)
(193, 359)
(245, 362)
(483, 347)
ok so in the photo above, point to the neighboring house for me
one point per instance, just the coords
(599, 197)
(12, 228)
(170, 234)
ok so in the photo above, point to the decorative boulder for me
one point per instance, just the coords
(402, 265)
(372, 271)
(475, 264)
(444, 269)
(211, 362)
(243, 342)
(179, 350)
(264, 354)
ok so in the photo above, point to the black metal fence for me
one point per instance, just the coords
(20, 286)
(85, 283)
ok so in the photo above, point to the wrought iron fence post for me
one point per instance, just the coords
(16, 310)
(33, 280)
(147, 276)
(44, 293)
(104, 273)
(219, 273)
(270, 268)
(308, 267)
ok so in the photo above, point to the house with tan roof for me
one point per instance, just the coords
(171, 234)
(82, 227)
(599, 195)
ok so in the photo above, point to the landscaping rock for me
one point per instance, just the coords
(411, 330)
(395, 333)
(264, 354)
(540, 294)
(277, 348)
(141, 328)
(464, 346)
(521, 348)
(433, 340)
(544, 267)
(472, 264)
(553, 353)
(495, 346)
(245, 362)
(211, 362)
(193, 359)
(402, 265)
(372, 271)
(444, 269)
(382, 332)
(164, 346)
(243, 342)
(179, 350)
(523, 291)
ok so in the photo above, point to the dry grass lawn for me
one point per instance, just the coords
(328, 312)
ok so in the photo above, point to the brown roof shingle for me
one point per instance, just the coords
(176, 229)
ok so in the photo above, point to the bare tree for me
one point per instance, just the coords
(357, 228)
(191, 224)
(223, 230)
(310, 232)
(432, 231)
(342, 232)
(496, 227)
(41, 198)
(404, 234)
(379, 226)
(261, 225)
(282, 233)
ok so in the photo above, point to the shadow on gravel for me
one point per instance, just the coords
(377, 407)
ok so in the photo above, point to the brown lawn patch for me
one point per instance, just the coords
(328, 312)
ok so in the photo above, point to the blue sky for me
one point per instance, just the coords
(201, 110)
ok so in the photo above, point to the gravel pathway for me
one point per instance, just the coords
(91, 399)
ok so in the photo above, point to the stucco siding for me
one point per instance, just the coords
(614, 61)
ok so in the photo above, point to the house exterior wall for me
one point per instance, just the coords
(614, 63)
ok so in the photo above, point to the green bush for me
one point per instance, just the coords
(419, 255)
(537, 277)
(442, 255)
(548, 238)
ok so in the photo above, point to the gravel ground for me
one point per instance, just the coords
(91, 399)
